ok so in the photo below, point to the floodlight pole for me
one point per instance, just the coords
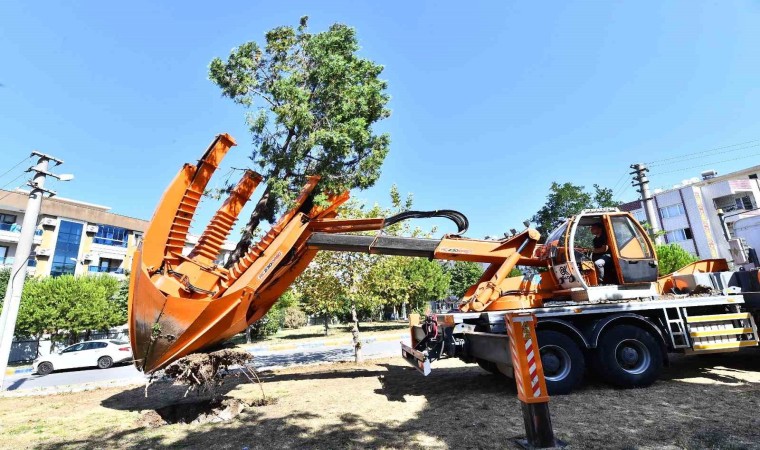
(23, 251)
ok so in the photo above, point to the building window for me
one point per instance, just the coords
(106, 265)
(3, 255)
(110, 235)
(7, 222)
(640, 216)
(743, 202)
(66, 248)
(683, 234)
(672, 211)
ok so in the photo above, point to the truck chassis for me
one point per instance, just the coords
(625, 342)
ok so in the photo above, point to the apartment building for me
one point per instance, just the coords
(72, 237)
(688, 213)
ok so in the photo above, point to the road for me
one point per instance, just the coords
(263, 359)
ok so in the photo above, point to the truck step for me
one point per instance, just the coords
(717, 317)
(725, 332)
(722, 332)
(724, 345)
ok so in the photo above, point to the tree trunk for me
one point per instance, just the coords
(403, 310)
(87, 335)
(248, 331)
(264, 210)
(327, 325)
(355, 334)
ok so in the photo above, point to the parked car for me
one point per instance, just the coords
(101, 353)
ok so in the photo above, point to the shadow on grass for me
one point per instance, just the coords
(463, 408)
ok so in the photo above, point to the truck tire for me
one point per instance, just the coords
(562, 360)
(628, 356)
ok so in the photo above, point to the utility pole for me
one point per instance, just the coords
(641, 181)
(23, 251)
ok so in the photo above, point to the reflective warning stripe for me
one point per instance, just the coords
(526, 361)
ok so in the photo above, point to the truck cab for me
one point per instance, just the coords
(633, 269)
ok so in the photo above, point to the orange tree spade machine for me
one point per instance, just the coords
(621, 327)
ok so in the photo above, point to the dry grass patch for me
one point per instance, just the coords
(385, 404)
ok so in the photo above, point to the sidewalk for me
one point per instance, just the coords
(263, 347)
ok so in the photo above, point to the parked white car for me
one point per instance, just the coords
(101, 353)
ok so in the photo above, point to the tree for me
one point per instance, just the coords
(672, 257)
(68, 304)
(565, 200)
(312, 105)
(463, 275)
(5, 276)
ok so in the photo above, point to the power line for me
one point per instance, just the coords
(19, 163)
(615, 186)
(679, 160)
(10, 182)
(658, 161)
(706, 164)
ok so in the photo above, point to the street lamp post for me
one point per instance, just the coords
(23, 251)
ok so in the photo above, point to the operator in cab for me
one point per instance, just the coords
(600, 254)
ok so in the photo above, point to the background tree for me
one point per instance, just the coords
(69, 305)
(672, 257)
(565, 200)
(5, 276)
(463, 274)
(312, 103)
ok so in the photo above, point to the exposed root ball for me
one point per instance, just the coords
(206, 371)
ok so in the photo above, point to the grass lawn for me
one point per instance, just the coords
(701, 402)
(317, 332)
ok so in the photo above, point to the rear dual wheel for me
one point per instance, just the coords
(628, 356)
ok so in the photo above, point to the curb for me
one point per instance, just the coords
(70, 388)
(18, 370)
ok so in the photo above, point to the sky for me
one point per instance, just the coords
(491, 101)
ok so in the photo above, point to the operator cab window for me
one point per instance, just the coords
(630, 242)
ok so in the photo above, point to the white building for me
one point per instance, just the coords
(688, 213)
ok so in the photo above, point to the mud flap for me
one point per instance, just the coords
(416, 358)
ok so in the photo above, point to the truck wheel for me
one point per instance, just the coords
(628, 356)
(562, 360)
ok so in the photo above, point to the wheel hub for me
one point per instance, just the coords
(556, 362)
(629, 356)
(633, 356)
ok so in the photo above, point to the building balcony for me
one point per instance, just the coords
(12, 233)
(9, 236)
(117, 272)
(109, 251)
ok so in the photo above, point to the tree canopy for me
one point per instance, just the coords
(672, 257)
(69, 304)
(312, 102)
(565, 200)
